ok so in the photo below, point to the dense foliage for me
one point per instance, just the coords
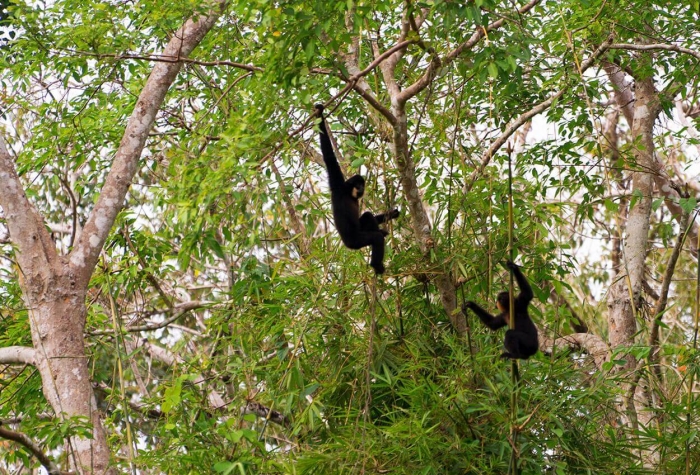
(229, 330)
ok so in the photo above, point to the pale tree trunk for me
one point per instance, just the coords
(624, 97)
(54, 287)
(625, 295)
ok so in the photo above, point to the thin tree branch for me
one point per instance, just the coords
(164, 58)
(510, 130)
(668, 276)
(177, 311)
(576, 322)
(216, 401)
(44, 416)
(149, 275)
(362, 88)
(357, 83)
(656, 47)
(522, 119)
(436, 63)
(74, 203)
(34, 449)
(142, 409)
(265, 412)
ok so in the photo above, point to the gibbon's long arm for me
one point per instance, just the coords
(526, 294)
(494, 323)
(336, 179)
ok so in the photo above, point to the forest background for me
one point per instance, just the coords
(175, 298)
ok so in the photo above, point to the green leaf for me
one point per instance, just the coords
(172, 396)
(493, 70)
(358, 162)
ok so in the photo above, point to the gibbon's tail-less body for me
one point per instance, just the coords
(355, 231)
(521, 341)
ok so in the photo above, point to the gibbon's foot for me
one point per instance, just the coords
(379, 268)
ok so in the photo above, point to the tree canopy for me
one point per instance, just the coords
(175, 296)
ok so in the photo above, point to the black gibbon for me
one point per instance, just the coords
(355, 231)
(520, 341)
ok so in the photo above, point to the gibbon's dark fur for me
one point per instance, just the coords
(520, 341)
(355, 231)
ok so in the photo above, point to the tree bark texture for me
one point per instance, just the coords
(625, 294)
(625, 99)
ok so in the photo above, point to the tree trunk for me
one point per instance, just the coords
(54, 287)
(420, 221)
(58, 321)
(626, 292)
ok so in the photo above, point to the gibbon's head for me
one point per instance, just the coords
(357, 186)
(503, 302)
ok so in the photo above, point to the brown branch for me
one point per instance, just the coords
(149, 275)
(356, 83)
(436, 63)
(650, 291)
(142, 409)
(359, 84)
(265, 412)
(34, 449)
(379, 59)
(622, 89)
(305, 149)
(84, 256)
(43, 416)
(23, 221)
(576, 322)
(388, 67)
(364, 92)
(656, 47)
(666, 283)
(18, 355)
(588, 342)
(177, 311)
(510, 130)
(164, 58)
(216, 401)
(74, 203)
